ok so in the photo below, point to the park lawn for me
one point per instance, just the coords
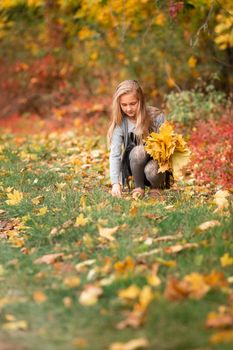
(106, 286)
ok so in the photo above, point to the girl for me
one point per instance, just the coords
(131, 122)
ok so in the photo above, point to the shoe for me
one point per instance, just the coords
(138, 193)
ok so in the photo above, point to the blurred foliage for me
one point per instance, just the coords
(202, 102)
(167, 45)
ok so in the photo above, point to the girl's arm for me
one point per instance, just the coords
(115, 160)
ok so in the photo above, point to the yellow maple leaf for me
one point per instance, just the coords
(81, 220)
(14, 198)
(168, 148)
(107, 232)
(226, 260)
(37, 200)
(130, 293)
(192, 61)
(42, 211)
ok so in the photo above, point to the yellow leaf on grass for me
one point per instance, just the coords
(153, 280)
(72, 281)
(146, 296)
(222, 337)
(89, 296)
(192, 61)
(130, 345)
(208, 224)
(42, 211)
(197, 285)
(81, 220)
(39, 297)
(226, 260)
(132, 292)
(14, 198)
(15, 326)
(37, 200)
(107, 232)
(219, 320)
(80, 266)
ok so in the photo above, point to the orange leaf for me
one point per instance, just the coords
(49, 258)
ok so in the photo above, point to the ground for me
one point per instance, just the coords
(76, 263)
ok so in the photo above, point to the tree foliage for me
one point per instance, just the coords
(166, 45)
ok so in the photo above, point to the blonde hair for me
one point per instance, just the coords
(143, 120)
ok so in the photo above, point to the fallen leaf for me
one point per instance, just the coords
(15, 326)
(39, 297)
(80, 342)
(133, 210)
(107, 233)
(218, 320)
(226, 260)
(9, 317)
(216, 279)
(49, 258)
(168, 238)
(14, 198)
(208, 224)
(197, 285)
(146, 296)
(79, 267)
(193, 286)
(130, 293)
(89, 296)
(179, 247)
(222, 337)
(81, 220)
(42, 211)
(130, 345)
(72, 281)
(153, 280)
(37, 200)
(151, 252)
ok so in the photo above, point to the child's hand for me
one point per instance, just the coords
(116, 190)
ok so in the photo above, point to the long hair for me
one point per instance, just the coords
(143, 120)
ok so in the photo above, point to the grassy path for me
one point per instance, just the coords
(80, 269)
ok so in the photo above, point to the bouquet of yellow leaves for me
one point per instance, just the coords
(169, 149)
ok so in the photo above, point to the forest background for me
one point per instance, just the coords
(55, 50)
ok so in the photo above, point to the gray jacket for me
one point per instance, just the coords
(120, 140)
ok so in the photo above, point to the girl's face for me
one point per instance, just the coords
(129, 104)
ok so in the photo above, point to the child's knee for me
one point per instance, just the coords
(151, 169)
(138, 154)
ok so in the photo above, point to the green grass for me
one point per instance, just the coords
(69, 189)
